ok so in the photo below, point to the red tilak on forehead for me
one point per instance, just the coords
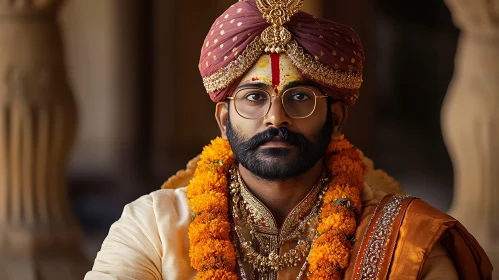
(276, 69)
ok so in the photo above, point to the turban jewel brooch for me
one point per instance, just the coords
(277, 13)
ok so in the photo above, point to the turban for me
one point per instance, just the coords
(328, 53)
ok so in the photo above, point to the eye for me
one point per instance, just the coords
(300, 96)
(255, 96)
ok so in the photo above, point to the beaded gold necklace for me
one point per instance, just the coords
(213, 254)
(272, 262)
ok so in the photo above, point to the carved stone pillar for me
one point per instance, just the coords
(470, 122)
(39, 237)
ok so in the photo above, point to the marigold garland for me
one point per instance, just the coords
(213, 254)
(211, 251)
(209, 202)
(331, 252)
(215, 228)
(216, 274)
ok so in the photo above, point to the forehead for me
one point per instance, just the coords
(275, 70)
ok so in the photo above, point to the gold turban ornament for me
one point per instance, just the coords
(277, 13)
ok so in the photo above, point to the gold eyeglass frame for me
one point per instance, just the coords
(282, 101)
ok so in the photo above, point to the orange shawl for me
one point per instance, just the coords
(402, 233)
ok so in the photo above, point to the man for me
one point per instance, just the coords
(282, 194)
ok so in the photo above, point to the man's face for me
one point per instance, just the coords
(277, 146)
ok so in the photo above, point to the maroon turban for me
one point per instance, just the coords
(328, 53)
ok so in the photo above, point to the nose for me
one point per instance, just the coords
(276, 116)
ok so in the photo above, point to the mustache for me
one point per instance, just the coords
(292, 138)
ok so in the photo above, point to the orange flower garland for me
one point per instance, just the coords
(211, 251)
(331, 252)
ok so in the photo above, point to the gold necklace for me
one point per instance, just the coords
(273, 261)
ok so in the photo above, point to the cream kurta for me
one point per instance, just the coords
(150, 241)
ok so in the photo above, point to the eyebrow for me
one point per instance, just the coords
(295, 84)
(256, 84)
(266, 86)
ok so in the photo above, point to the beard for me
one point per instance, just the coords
(274, 164)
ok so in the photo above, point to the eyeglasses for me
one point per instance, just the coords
(254, 103)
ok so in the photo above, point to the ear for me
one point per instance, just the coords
(340, 112)
(221, 114)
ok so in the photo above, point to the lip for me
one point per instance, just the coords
(276, 142)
